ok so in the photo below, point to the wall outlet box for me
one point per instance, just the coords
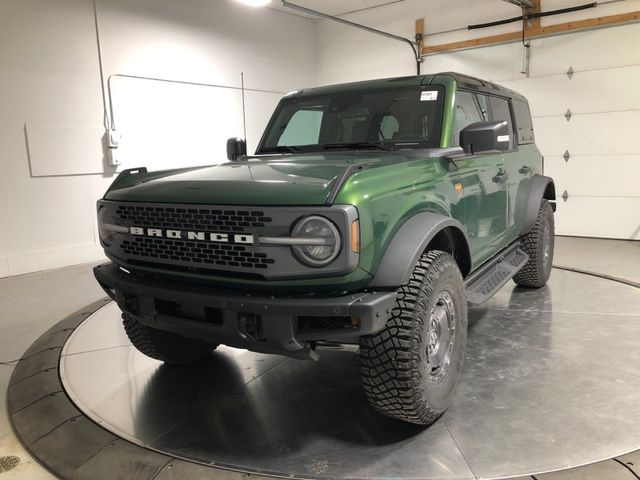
(114, 139)
(113, 156)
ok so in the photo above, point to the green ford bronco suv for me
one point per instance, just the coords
(371, 215)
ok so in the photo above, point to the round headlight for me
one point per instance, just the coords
(324, 241)
(106, 235)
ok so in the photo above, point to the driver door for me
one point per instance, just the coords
(483, 184)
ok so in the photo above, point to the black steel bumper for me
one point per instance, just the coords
(282, 325)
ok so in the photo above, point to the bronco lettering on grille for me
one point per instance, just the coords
(189, 235)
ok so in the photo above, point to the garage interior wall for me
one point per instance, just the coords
(602, 173)
(52, 164)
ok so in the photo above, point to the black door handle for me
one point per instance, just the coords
(524, 170)
(500, 178)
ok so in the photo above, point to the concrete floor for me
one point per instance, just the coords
(617, 258)
(30, 304)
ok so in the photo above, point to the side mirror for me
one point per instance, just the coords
(485, 137)
(236, 147)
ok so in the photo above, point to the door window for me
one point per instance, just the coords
(500, 111)
(523, 122)
(467, 112)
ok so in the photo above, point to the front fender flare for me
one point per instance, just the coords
(407, 245)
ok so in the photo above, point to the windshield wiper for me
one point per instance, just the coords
(281, 149)
(357, 145)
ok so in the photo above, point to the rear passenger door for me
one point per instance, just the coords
(511, 163)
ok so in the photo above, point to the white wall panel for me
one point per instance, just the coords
(207, 41)
(50, 215)
(60, 149)
(260, 106)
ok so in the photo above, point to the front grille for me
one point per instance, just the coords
(225, 220)
(202, 253)
(191, 253)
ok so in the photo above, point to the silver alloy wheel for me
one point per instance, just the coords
(440, 336)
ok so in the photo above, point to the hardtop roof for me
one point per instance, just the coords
(463, 81)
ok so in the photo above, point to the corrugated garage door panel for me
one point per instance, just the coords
(586, 92)
(588, 50)
(589, 134)
(597, 175)
(604, 217)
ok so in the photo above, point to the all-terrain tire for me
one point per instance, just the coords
(396, 371)
(538, 244)
(164, 346)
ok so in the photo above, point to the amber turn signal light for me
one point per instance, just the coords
(355, 236)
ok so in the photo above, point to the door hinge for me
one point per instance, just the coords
(570, 73)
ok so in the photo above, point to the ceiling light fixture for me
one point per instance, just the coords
(255, 3)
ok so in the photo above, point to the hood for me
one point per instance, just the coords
(283, 180)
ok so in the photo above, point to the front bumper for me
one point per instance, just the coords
(282, 325)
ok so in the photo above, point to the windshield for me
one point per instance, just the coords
(386, 119)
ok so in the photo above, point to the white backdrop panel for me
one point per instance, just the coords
(171, 125)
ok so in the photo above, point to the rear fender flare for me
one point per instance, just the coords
(541, 188)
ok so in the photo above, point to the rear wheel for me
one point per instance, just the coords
(165, 346)
(538, 244)
(410, 369)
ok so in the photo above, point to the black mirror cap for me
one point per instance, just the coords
(236, 148)
(485, 137)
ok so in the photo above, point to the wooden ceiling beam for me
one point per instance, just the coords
(534, 32)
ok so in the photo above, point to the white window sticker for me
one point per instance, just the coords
(503, 138)
(429, 96)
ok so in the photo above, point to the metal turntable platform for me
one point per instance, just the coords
(551, 382)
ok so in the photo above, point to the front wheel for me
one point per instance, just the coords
(164, 346)
(410, 369)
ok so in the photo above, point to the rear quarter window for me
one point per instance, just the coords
(524, 124)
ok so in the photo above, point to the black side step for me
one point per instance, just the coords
(491, 277)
